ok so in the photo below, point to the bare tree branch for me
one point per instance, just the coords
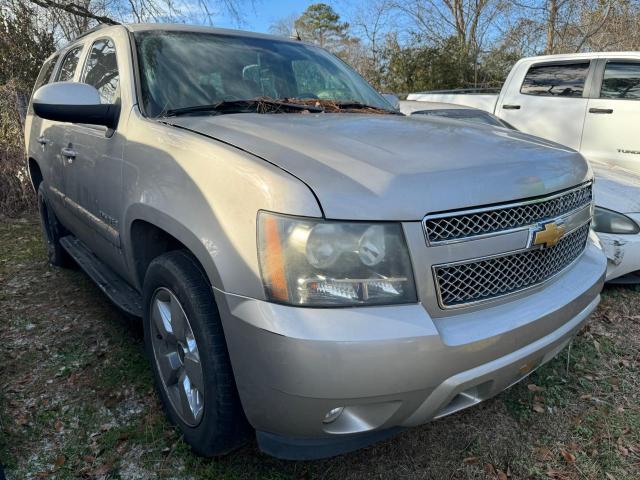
(75, 9)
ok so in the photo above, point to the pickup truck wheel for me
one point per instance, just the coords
(186, 345)
(52, 231)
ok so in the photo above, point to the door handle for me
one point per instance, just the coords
(601, 110)
(511, 107)
(42, 140)
(69, 153)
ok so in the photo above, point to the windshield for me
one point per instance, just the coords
(181, 70)
(474, 116)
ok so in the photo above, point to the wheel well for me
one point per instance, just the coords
(35, 173)
(149, 242)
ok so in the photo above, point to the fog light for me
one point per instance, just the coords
(332, 415)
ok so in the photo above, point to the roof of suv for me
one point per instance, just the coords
(178, 27)
(143, 27)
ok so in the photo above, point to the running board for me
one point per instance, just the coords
(113, 286)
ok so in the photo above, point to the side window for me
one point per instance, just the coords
(557, 80)
(69, 64)
(101, 70)
(45, 72)
(621, 80)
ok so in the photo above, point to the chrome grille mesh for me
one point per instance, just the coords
(459, 226)
(494, 277)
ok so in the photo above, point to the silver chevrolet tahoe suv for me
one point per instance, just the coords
(309, 264)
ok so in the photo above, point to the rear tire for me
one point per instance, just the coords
(52, 231)
(187, 349)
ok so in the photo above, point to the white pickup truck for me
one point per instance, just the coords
(587, 101)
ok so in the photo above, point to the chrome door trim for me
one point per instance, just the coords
(57, 194)
(103, 229)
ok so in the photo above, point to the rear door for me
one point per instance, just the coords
(548, 99)
(53, 137)
(48, 136)
(612, 124)
(38, 146)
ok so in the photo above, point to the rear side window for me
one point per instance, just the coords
(101, 70)
(621, 80)
(557, 80)
(69, 64)
(45, 73)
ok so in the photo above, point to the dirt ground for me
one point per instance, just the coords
(77, 401)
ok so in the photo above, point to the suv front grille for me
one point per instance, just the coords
(479, 280)
(445, 228)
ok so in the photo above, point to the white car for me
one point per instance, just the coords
(617, 220)
(587, 101)
(616, 193)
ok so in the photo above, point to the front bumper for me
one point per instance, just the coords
(390, 367)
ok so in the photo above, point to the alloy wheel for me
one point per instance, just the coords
(176, 355)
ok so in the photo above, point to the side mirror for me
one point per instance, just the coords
(392, 99)
(74, 102)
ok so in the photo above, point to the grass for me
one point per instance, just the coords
(77, 399)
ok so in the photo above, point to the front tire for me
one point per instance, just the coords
(52, 231)
(188, 352)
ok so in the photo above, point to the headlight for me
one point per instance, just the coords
(326, 263)
(608, 221)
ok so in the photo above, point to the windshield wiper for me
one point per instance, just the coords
(355, 105)
(258, 105)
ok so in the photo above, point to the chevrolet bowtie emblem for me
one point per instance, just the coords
(550, 234)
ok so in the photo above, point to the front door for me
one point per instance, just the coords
(93, 162)
(549, 101)
(612, 124)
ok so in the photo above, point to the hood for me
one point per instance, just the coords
(616, 188)
(388, 167)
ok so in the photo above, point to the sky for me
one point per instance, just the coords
(265, 12)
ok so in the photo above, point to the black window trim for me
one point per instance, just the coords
(56, 64)
(137, 88)
(599, 77)
(62, 53)
(64, 56)
(586, 91)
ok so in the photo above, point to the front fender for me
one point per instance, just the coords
(201, 248)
